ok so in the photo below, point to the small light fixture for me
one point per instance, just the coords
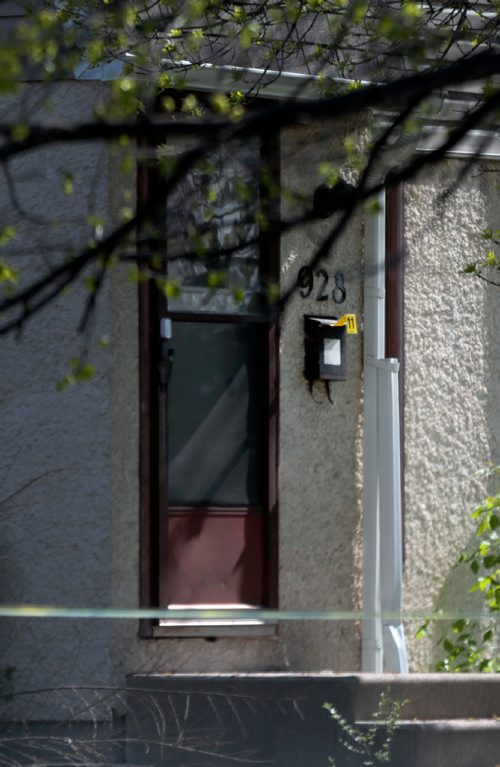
(325, 349)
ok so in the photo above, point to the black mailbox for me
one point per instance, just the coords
(325, 349)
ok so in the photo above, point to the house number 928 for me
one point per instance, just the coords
(306, 279)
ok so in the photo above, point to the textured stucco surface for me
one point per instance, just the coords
(55, 446)
(70, 526)
(72, 536)
(319, 478)
(320, 444)
(452, 383)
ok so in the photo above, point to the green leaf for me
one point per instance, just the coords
(448, 645)
(470, 268)
(172, 289)
(8, 274)
(19, 132)
(65, 381)
(374, 207)
(85, 372)
(68, 187)
(238, 294)
(329, 173)
(6, 234)
(491, 258)
(220, 103)
(459, 626)
(215, 279)
(273, 292)
(103, 342)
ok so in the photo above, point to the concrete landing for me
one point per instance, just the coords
(280, 719)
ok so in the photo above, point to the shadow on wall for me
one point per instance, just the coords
(453, 597)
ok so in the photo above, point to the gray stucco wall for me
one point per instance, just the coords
(70, 532)
(451, 430)
(320, 444)
(319, 479)
(452, 383)
(55, 447)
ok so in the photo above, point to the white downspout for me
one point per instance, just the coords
(391, 534)
(372, 657)
(383, 643)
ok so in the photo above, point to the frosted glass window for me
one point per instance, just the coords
(214, 208)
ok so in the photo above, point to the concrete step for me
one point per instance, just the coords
(279, 719)
(447, 743)
(447, 720)
(430, 696)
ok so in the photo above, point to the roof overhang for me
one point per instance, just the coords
(301, 87)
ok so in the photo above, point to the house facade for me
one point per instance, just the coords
(81, 511)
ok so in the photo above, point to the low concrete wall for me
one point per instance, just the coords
(281, 720)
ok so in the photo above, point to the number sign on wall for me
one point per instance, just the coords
(309, 281)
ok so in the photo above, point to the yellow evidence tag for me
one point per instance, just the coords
(350, 321)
